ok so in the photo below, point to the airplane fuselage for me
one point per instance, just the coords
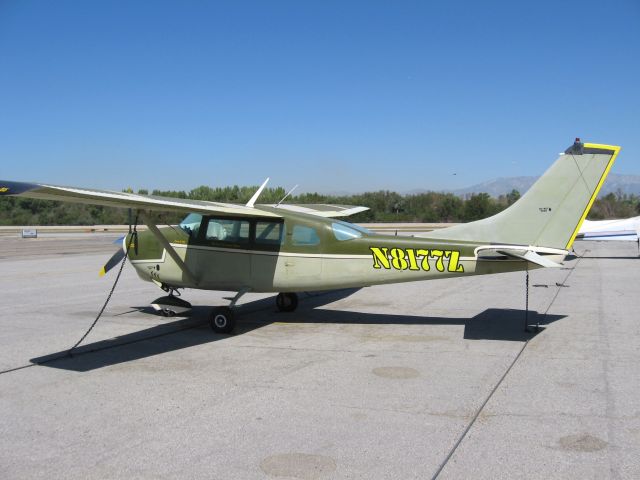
(299, 253)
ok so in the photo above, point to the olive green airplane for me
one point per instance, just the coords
(296, 248)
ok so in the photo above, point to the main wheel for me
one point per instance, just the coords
(287, 302)
(221, 320)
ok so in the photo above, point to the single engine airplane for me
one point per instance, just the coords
(294, 248)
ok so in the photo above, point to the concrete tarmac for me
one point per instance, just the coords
(423, 380)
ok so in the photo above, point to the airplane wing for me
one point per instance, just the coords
(626, 229)
(123, 199)
(153, 203)
(322, 210)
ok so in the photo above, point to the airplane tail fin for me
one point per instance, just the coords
(551, 212)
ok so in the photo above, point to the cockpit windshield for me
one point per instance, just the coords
(348, 231)
(191, 224)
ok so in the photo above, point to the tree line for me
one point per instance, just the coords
(384, 206)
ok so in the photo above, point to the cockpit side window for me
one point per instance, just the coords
(191, 224)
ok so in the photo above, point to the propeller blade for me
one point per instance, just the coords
(113, 261)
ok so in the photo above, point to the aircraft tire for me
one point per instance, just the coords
(287, 301)
(222, 320)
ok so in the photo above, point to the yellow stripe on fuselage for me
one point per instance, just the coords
(616, 150)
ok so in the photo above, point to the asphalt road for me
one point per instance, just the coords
(393, 382)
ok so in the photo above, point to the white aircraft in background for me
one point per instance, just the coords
(626, 229)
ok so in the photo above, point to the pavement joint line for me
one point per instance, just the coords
(504, 375)
(477, 414)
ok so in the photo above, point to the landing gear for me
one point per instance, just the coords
(222, 320)
(287, 302)
(170, 306)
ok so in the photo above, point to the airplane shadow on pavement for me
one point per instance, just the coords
(491, 324)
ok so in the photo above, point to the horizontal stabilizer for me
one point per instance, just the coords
(532, 257)
(528, 254)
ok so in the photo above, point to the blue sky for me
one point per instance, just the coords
(334, 96)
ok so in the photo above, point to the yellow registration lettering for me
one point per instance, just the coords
(380, 257)
(411, 255)
(438, 254)
(425, 258)
(398, 261)
(416, 259)
(454, 266)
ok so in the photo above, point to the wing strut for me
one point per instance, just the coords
(170, 250)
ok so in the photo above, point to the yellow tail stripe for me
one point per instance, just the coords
(616, 150)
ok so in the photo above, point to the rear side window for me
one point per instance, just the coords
(269, 233)
(304, 236)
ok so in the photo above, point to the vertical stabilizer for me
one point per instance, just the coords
(551, 212)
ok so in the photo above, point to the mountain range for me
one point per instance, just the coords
(626, 184)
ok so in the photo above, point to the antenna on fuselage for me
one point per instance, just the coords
(288, 193)
(251, 202)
